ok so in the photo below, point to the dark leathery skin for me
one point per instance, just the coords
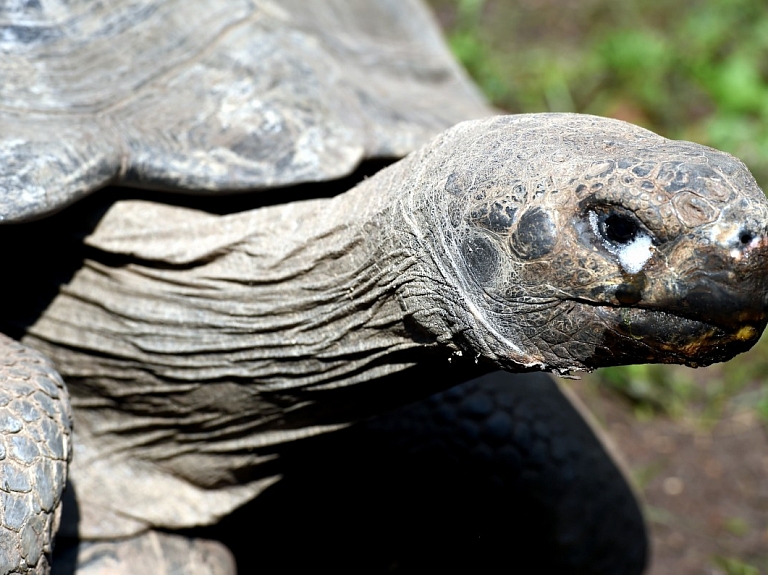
(590, 218)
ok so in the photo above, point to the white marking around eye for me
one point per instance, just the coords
(724, 234)
(632, 256)
(728, 235)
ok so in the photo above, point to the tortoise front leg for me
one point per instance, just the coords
(35, 428)
(150, 552)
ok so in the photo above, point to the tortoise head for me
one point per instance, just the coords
(578, 242)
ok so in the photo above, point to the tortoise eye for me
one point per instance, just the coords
(618, 228)
(622, 234)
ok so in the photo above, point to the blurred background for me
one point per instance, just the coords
(695, 441)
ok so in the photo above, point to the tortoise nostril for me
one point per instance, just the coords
(628, 294)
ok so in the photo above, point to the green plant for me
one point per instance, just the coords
(696, 69)
(735, 567)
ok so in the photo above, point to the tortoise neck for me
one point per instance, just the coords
(302, 294)
(226, 337)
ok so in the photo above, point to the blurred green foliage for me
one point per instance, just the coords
(696, 70)
(706, 394)
(692, 69)
(737, 526)
(735, 567)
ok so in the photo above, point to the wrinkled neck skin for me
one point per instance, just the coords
(438, 296)
(463, 294)
(194, 345)
(485, 244)
(318, 294)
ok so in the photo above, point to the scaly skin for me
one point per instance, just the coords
(196, 345)
(35, 430)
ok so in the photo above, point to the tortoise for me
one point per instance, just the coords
(202, 336)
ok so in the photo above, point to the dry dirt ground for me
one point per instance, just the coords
(704, 487)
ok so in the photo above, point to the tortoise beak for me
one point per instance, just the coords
(720, 303)
(717, 276)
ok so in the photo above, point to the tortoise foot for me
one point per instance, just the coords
(153, 552)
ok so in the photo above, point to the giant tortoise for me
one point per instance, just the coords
(202, 337)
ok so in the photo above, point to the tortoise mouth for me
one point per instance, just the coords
(658, 335)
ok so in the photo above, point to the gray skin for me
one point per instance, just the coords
(204, 97)
(195, 345)
(190, 362)
(35, 445)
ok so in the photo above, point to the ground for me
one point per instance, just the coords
(704, 486)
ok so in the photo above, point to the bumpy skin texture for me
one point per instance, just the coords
(549, 241)
(572, 242)
(35, 429)
(213, 96)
